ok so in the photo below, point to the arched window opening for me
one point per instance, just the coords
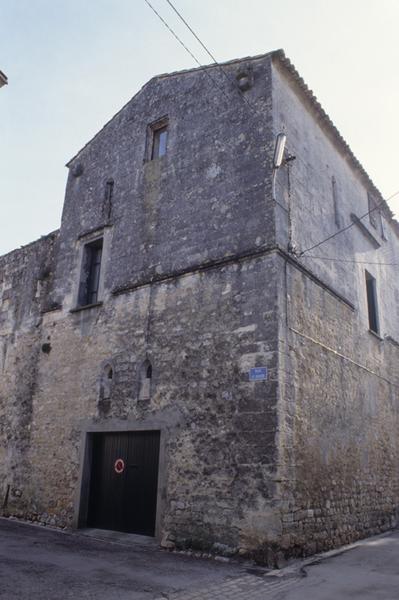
(106, 381)
(145, 380)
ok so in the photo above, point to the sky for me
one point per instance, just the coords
(72, 64)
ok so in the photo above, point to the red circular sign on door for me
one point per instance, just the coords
(119, 465)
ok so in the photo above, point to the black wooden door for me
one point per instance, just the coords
(124, 481)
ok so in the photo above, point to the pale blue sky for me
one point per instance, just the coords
(72, 64)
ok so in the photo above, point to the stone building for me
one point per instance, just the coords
(175, 360)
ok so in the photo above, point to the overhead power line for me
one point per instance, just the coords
(185, 47)
(330, 237)
(357, 262)
(192, 31)
(253, 107)
(212, 56)
(173, 33)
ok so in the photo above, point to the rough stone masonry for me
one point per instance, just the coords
(174, 274)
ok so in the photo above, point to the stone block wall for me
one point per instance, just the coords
(25, 277)
(188, 282)
(340, 407)
(201, 202)
(202, 333)
(201, 276)
(338, 381)
(323, 189)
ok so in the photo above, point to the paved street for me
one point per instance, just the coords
(38, 563)
(368, 572)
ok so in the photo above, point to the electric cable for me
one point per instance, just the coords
(357, 262)
(192, 31)
(186, 48)
(211, 55)
(330, 237)
(229, 79)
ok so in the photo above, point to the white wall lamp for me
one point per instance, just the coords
(278, 159)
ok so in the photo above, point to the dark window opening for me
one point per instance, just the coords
(108, 197)
(90, 277)
(372, 302)
(145, 380)
(160, 137)
(105, 391)
(109, 190)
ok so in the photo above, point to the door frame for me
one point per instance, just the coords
(81, 504)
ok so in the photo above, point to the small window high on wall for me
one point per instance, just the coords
(145, 380)
(335, 197)
(90, 273)
(108, 197)
(372, 303)
(160, 137)
(157, 139)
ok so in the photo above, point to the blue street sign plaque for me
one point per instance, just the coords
(258, 374)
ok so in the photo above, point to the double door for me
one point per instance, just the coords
(124, 481)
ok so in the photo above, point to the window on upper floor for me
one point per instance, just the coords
(159, 140)
(108, 197)
(145, 380)
(371, 291)
(337, 216)
(90, 273)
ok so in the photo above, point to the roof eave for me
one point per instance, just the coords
(174, 74)
(280, 57)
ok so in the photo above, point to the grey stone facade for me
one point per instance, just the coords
(202, 277)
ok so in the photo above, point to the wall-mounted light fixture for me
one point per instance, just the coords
(279, 150)
(278, 159)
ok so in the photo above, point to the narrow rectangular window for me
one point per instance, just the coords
(372, 302)
(160, 137)
(109, 190)
(337, 217)
(108, 197)
(90, 274)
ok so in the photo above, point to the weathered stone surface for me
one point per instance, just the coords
(198, 280)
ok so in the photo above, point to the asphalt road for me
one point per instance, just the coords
(40, 563)
(369, 571)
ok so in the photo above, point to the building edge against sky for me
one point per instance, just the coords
(177, 336)
(3, 79)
